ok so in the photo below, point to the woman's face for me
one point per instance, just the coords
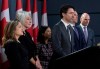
(28, 22)
(47, 33)
(18, 30)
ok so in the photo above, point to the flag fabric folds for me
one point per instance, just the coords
(28, 9)
(44, 21)
(5, 18)
(18, 5)
(35, 22)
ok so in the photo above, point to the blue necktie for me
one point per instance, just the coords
(76, 31)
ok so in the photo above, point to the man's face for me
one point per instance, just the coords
(85, 20)
(75, 17)
(69, 15)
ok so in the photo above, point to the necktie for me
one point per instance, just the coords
(71, 37)
(85, 33)
(76, 31)
(68, 30)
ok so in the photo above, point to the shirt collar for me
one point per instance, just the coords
(82, 26)
(72, 24)
(66, 24)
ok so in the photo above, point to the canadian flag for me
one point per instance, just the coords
(4, 19)
(35, 22)
(44, 14)
(28, 9)
(18, 5)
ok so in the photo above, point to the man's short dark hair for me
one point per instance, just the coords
(64, 9)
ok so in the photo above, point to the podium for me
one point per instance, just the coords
(82, 59)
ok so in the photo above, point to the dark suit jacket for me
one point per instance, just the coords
(28, 43)
(91, 36)
(17, 55)
(61, 41)
(76, 39)
(82, 42)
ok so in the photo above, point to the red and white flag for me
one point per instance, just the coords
(28, 9)
(4, 19)
(35, 22)
(18, 5)
(44, 14)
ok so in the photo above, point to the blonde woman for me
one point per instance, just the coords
(16, 53)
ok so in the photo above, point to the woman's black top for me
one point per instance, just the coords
(17, 55)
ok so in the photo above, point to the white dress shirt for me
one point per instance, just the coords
(66, 24)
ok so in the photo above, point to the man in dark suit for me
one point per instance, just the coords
(76, 33)
(85, 31)
(62, 34)
(79, 42)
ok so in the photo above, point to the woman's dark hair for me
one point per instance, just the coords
(40, 37)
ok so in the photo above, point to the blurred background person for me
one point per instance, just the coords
(78, 38)
(26, 39)
(45, 49)
(87, 33)
(16, 53)
(75, 30)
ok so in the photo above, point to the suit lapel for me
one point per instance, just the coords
(65, 30)
(83, 32)
(81, 29)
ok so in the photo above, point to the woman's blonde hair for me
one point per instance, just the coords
(9, 31)
(21, 16)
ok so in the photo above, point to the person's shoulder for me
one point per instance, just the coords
(25, 36)
(78, 26)
(90, 30)
(10, 43)
(28, 35)
(57, 25)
